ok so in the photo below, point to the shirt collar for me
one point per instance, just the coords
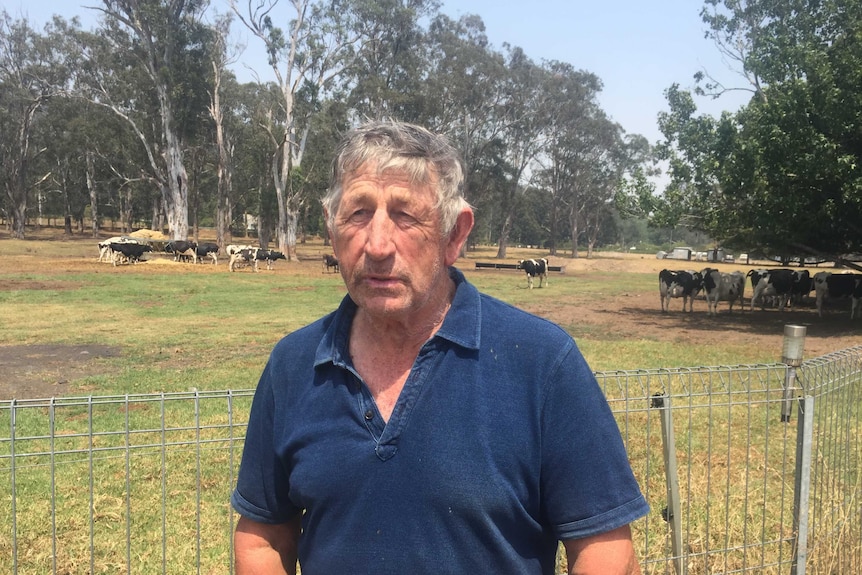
(461, 325)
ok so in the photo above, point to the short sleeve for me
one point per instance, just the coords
(587, 480)
(262, 489)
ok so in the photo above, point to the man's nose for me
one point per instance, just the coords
(380, 241)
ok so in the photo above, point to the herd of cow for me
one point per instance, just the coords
(127, 249)
(774, 287)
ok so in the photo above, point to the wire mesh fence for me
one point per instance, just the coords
(748, 469)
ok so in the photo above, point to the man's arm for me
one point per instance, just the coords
(610, 553)
(260, 548)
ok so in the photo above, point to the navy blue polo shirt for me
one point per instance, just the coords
(500, 444)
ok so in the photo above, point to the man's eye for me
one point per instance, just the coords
(358, 214)
(405, 217)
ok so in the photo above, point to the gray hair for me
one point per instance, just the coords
(424, 156)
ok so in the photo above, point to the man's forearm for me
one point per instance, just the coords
(261, 549)
(609, 553)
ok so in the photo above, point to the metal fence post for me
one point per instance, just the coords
(14, 488)
(791, 354)
(673, 512)
(802, 484)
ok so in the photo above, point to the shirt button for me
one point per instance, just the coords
(369, 415)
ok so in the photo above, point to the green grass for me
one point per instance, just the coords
(183, 328)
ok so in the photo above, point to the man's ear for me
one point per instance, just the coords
(458, 235)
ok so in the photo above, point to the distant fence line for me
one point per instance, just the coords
(748, 469)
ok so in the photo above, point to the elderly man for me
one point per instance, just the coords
(423, 427)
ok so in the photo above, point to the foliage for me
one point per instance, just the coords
(783, 175)
(188, 144)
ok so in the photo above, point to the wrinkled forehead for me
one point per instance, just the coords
(392, 183)
(417, 171)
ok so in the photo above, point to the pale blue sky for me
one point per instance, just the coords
(637, 48)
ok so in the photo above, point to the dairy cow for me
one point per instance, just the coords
(182, 249)
(681, 283)
(330, 262)
(783, 285)
(105, 252)
(720, 286)
(131, 252)
(269, 256)
(535, 268)
(205, 249)
(245, 256)
(838, 286)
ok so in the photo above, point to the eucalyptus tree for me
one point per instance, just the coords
(70, 129)
(147, 63)
(389, 76)
(465, 99)
(307, 55)
(609, 160)
(251, 180)
(222, 55)
(31, 66)
(571, 103)
(523, 114)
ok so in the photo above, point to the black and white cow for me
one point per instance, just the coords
(720, 286)
(784, 285)
(244, 257)
(269, 256)
(330, 262)
(234, 248)
(838, 286)
(105, 252)
(205, 249)
(131, 252)
(535, 268)
(681, 283)
(182, 249)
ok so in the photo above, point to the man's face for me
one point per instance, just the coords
(389, 246)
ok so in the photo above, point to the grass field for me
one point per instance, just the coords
(180, 326)
(174, 328)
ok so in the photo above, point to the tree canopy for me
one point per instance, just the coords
(142, 120)
(783, 175)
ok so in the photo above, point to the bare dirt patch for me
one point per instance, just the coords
(37, 371)
(638, 314)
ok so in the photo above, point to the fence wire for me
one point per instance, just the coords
(141, 483)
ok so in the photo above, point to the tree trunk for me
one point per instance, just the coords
(94, 199)
(67, 218)
(175, 191)
(575, 233)
(503, 240)
(19, 216)
(175, 196)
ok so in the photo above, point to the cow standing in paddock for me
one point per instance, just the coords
(784, 285)
(535, 268)
(719, 286)
(132, 252)
(182, 249)
(244, 257)
(269, 256)
(106, 254)
(683, 283)
(205, 249)
(236, 248)
(330, 262)
(838, 286)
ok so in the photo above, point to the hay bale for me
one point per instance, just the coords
(146, 234)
